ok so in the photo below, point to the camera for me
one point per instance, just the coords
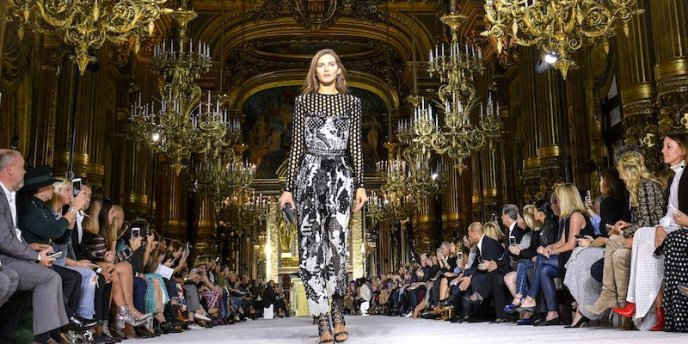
(76, 186)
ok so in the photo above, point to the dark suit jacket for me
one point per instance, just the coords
(517, 233)
(491, 250)
(81, 250)
(682, 192)
(10, 246)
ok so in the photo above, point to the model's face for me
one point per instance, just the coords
(672, 152)
(327, 70)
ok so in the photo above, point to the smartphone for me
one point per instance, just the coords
(494, 217)
(76, 186)
(459, 256)
(55, 255)
(580, 236)
(288, 214)
(589, 195)
(135, 232)
(512, 241)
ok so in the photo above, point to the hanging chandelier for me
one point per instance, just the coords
(183, 124)
(557, 27)
(456, 64)
(85, 25)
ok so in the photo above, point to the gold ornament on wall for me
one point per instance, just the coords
(86, 24)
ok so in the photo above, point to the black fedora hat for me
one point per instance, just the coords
(38, 176)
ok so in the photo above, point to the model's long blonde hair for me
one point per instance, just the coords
(569, 200)
(632, 170)
(312, 83)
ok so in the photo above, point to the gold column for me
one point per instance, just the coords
(64, 123)
(42, 144)
(424, 226)
(137, 179)
(636, 81)
(671, 52)
(174, 204)
(205, 230)
(453, 200)
(551, 110)
(523, 97)
(356, 245)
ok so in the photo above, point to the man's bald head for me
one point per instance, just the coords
(475, 232)
(11, 169)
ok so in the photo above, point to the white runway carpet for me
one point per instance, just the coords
(396, 330)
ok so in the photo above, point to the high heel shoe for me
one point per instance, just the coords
(125, 317)
(581, 323)
(626, 311)
(338, 323)
(511, 308)
(324, 329)
(659, 326)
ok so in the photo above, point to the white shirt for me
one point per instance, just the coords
(668, 220)
(12, 200)
(511, 228)
(480, 245)
(79, 226)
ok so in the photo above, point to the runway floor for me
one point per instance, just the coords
(396, 330)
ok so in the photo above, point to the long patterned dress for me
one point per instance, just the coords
(326, 145)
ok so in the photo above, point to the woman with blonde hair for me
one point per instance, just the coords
(492, 230)
(645, 289)
(648, 203)
(552, 259)
(523, 255)
(325, 165)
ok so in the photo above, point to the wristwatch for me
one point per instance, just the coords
(73, 211)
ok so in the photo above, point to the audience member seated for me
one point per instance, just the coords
(486, 277)
(22, 259)
(647, 268)
(588, 258)
(647, 202)
(552, 258)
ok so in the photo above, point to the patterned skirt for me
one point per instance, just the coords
(675, 273)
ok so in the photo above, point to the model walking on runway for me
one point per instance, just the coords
(325, 165)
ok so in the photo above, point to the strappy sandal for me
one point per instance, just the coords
(338, 321)
(324, 328)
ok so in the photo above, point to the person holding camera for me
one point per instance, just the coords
(40, 224)
(29, 262)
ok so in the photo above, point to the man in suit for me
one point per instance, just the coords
(510, 218)
(23, 259)
(486, 274)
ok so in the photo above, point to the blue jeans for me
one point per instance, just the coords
(546, 269)
(89, 279)
(522, 276)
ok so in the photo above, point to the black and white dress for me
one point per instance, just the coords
(324, 166)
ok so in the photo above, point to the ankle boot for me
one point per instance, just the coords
(659, 326)
(627, 311)
(607, 300)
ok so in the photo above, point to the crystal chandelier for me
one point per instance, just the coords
(244, 209)
(222, 175)
(183, 124)
(557, 27)
(456, 64)
(86, 25)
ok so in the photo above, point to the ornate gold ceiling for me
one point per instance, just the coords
(271, 42)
